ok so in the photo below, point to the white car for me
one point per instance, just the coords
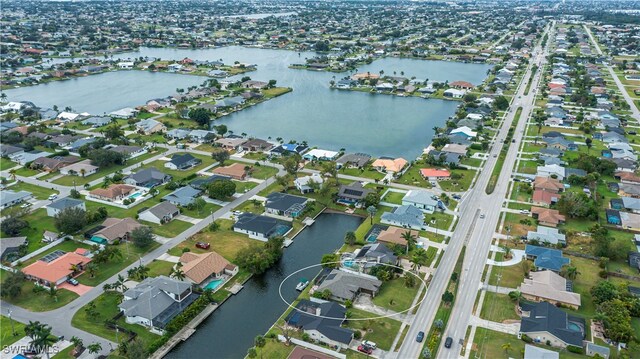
(524, 211)
(52, 197)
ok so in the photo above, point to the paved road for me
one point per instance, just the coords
(475, 233)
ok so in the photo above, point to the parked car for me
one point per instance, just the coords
(448, 342)
(365, 349)
(524, 211)
(456, 196)
(420, 337)
(25, 205)
(203, 245)
(52, 197)
(72, 281)
(370, 344)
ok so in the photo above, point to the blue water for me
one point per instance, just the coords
(214, 284)
(574, 327)
(348, 263)
(136, 195)
(283, 229)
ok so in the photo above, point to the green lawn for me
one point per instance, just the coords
(37, 191)
(263, 172)
(43, 301)
(178, 175)
(275, 349)
(171, 229)
(381, 331)
(159, 267)
(5, 329)
(130, 254)
(242, 187)
(38, 222)
(66, 246)
(206, 211)
(26, 172)
(510, 277)
(395, 295)
(458, 185)
(498, 307)
(488, 344)
(413, 177)
(64, 354)
(366, 172)
(394, 197)
(6, 164)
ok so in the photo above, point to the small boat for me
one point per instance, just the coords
(302, 285)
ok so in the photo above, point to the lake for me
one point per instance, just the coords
(380, 125)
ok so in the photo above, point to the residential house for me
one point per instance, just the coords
(394, 236)
(465, 131)
(202, 183)
(404, 216)
(546, 258)
(391, 165)
(602, 351)
(547, 235)
(198, 268)
(231, 143)
(161, 213)
(322, 322)
(347, 285)
(545, 322)
(431, 174)
(353, 160)
(10, 248)
(183, 196)
(182, 161)
(533, 352)
(284, 204)
(631, 204)
(61, 204)
(455, 148)
(97, 121)
(549, 286)
(115, 229)
(422, 199)
(128, 151)
(306, 184)
(260, 227)
(10, 198)
(288, 148)
(126, 112)
(320, 155)
(114, 192)
(630, 221)
(547, 217)
(150, 126)
(353, 193)
(154, 302)
(235, 170)
(454, 93)
(202, 136)
(82, 169)
(178, 133)
(55, 268)
(371, 255)
(148, 178)
(256, 145)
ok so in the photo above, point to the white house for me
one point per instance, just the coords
(125, 65)
(303, 184)
(64, 203)
(422, 199)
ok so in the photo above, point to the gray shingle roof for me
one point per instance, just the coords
(306, 317)
(66, 202)
(545, 317)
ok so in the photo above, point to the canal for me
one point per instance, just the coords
(230, 330)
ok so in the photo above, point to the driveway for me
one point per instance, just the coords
(79, 289)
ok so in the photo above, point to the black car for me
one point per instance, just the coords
(448, 342)
(420, 337)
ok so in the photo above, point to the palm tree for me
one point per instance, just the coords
(516, 296)
(83, 172)
(571, 272)
(506, 347)
(43, 339)
(12, 174)
(418, 259)
(260, 342)
(94, 348)
(177, 273)
(119, 284)
(77, 342)
(410, 238)
(350, 238)
(371, 210)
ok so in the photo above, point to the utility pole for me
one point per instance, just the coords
(11, 319)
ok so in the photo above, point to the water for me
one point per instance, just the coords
(214, 284)
(230, 330)
(379, 125)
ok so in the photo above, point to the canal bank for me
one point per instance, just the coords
(231, 328)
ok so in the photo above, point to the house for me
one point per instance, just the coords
(630, 221)
(394, 236)
(202, 183)
(10, 198)
(546, 258)
(347, 285)
(161, 213)
(306, 184)
(97, 121)
(551, 287)
(64, 203)
(114, 192)
(547, 235)
(404, 216)
(371, 255)
(631, 204)
(198, 268)
(320, 155)
(422, 199)
(353, 193)
(461, 85)
(128, 151)
(11, 152)
(553, 171)
(182, 161)
(115, 229)
(82, 168)
(601, 350)
(260, 227)
(148, 178)
(547, 217)
(49, 237)
(533, 352)
(178, 133)
(284, 204)
(230, 143)
(453, 93)
(465, 131)
(353, 160)
(126, 112)
(183, 196)
(321, 321)
(256, 145)
(235, 170)
(202, 136)
(545, 322)
(431, 174)
(55, 268)
(149, 126)
(547, 184)
(10, 248)
(287, 148)
(389, 164)
(446, 157)
(47, 164)
(455, 148)
(154, 302)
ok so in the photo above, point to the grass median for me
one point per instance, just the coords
(495, 174)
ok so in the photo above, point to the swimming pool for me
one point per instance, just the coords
(214, 284)
(349, 263)
(282, 229)
(135, 195)
(574, 327)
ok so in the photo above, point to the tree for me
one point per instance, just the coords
(221, 189)
(604, 291)
(571, 272)
(43, 339)
(252, 353)
(501, 103)
(426, 353)
(221, 129)
(418, 259)
(200, 115)
(12, 226)
(410, 238)
(12, 285)
(516, 296)
(330, 260)
(589, 143)
(617, 320)
(447, 297)
(199, 204)
(136, 349)
(77, 342)
(260, 342)
(409, 281)
(113, 132)
(506, 347)
(371, 211)
(70, 220)
(221, 156)
(350, 238)
(372, 199)
(74, 194)
(142, 236)
(291, 164)
(177, 273)
(94, 348)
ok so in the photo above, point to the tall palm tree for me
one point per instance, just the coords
(516, 296)
(77, 342)
(260, 342)
(177, 273)
(571, 272)
(410, 238)
(43, 339)
(119, 284)
(91, 268)
(94, 348)
(418, 259)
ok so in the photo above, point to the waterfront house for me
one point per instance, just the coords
(394, 236)
(97, 121)
(61, 204)
(320, 155)
(161, 213)
(178, 134)
(322, 322)
(125, 113)
(453, 93)
(545, 322)
(114, 192)
(287, 148)
(549, 286)
(347, 285)
(198, 268)
(56, 267)
(391, 165)
(183, 196)
(82, 168)
(150, 126)
(464, 85)
(10, 247)
(182, 161)
(115, 229)
(371, 255)
(235, 170)
(284, 204)
(154, 302)
(465, 131)
(10, 198)
(432, 174)
(422, 199)
(546, 258)
(404, 216)
(353, 160)
(305, 184)
(148, 177)
(202, 136)
(230, 143)
(259, 227)
(353, 193)
(256, 145)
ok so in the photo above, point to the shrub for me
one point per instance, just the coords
(575, 349)
(603, 273)
(357, 335)
(527, 339)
